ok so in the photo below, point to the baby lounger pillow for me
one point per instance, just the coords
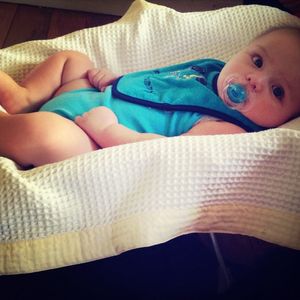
(109, 201)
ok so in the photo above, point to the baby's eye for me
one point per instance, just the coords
(278, 92)
(258, 61)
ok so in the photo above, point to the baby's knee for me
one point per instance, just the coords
(73, 55)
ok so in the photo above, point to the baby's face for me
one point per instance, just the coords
(269, 67)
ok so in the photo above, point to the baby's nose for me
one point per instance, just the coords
(255, 83)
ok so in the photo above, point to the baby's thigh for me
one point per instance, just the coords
(76, 84)
(45, 137)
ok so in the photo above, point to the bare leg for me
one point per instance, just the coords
(40, 138)
(64, 70)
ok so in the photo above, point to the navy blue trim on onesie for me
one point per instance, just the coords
(124, 88)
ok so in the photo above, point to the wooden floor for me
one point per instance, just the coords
(20, 23)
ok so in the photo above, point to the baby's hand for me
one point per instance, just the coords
(101, 78)
(95, 121)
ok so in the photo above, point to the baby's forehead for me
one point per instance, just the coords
(283, 47)
(291, 31)
(289, 38)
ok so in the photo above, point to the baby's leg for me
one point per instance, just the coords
(40, 138)
(63, 68)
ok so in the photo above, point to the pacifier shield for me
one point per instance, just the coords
(237, 93)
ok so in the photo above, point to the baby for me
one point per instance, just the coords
(93, 108)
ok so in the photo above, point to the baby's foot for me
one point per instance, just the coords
(13, 98)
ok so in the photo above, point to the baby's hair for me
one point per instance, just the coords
(292, 28)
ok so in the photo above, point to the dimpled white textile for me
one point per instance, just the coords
(109, 201)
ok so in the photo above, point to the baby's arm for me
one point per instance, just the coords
(212, 127)
(102, 126)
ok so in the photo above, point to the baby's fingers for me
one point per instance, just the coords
(95, 77)
(101, 78)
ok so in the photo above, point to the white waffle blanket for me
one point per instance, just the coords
(106, 202)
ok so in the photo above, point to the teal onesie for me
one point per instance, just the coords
(167, 101)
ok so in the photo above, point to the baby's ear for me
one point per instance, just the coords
(293, 124)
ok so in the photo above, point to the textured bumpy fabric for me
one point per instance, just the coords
(106, 202)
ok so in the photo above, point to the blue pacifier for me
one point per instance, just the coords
(235, 94)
